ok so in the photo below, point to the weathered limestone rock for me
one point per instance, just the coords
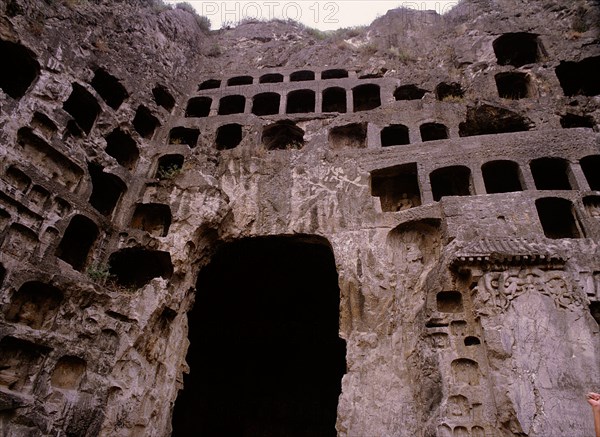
(191, 220)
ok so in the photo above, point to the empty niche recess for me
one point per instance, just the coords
(557, 218)
(163, 97)
(334, 100)
(489, 120)
(77, 241)
(68, 373)
(184, 135)
(283, 135)
(550, 173)
(240, 80)
(123, 148)
(394, 135)
(198, 107)
(169, 166)
(271, 78)
(450, 181)
(106, 189)
(397, 187)
(433, 131)
(135, 267)
(209, 84)
(229, 136)
(591, 169)
(154, 218)
(42, 123)
(349, 136)
(471, 341)
(449, 91)
(409, 92)
(24, 69)
(35, 304)
(569, 121)
(83, 107)
(232, 105)
(513, 85)
(579, 78)
(517, 49)
(300, 101)
(302, 75)
(144, 122)
(109, 88)
(501, 176)
(336, 73)
(449, 302)
(266, 104)
(366, 97)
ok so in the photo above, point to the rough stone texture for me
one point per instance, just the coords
(474, 315)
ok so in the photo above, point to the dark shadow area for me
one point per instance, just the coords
(144, 122)
(229, 136)
(283, 135)
(449, 91)
(123, 148)
(198, 107)
(366, 97)
(569, 121)
(409, 92)
(106, 190)
(579, 78)
(449, 302)
(265, 355)
(516, 49)
(337, 73)
(163, 97)
(78, 239)
(595, 311)
(169, 166)
(266, 104)
(83, 107)
(512, 85)
(501, 176)
(154, 218)
(136, 266)
(394, 135)
(209, 84)
(232, 105)
(550, 173)
(271, 78)
(450, 181)
(397, 187)
(334, 100)
(42, 123)
(240, 80)
(489, 120)
(20, 69)
(184, 135)
(300, 101)
(300, 76)
(349, 136)
(109, 88)
(433, 132)
(557, 219)
(591, 169)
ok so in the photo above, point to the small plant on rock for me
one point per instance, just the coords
(99, 273)
(169, 172)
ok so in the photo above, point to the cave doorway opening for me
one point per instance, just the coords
(265, 355)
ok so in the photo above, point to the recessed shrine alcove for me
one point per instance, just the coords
(265, 356)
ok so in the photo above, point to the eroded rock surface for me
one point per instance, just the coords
(435, 178)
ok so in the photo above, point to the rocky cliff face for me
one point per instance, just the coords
(388, 231)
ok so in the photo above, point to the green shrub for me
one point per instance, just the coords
(99, 273)
(169, 172)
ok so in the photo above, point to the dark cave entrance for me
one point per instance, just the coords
(265, 356)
